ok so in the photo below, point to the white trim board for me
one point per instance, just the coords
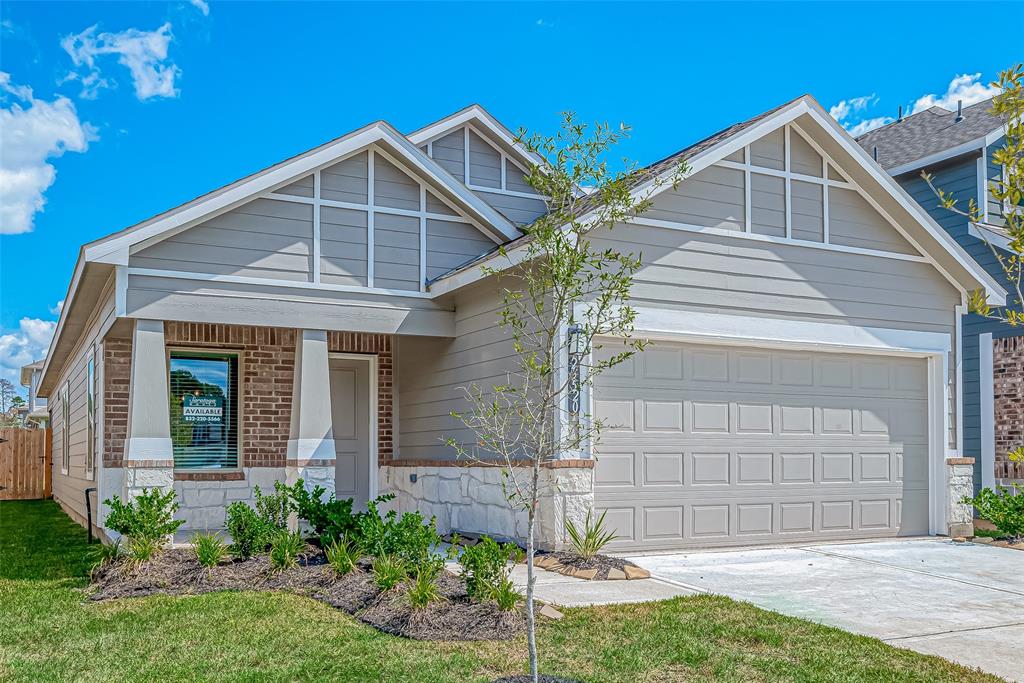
(992, 237)
(736, 330)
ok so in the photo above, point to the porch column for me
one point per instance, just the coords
(311, 442)
(149, 457)
(960, 478)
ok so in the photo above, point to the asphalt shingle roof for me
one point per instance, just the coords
(928, 132)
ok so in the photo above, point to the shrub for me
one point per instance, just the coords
(284, 550)
(142, 549)
(388, 571)
(330, 518)
(506, 595)
(250, 534)
(423, 587)
(592, 538)
(485, 566)
(104, 554)
(1002, 508)
(149, 516)
(274, 508)
(409, 537)
(342, 555)
(210, 549)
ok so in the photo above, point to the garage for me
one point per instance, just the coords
(719, 445)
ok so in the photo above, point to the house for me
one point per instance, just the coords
(956, 149)
(317, 319)
(36, 413)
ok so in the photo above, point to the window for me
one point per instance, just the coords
(90, 406)
(204, 409)
(65, 431)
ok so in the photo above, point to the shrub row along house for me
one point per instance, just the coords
(318, 319)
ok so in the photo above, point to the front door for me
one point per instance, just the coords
(350, 414)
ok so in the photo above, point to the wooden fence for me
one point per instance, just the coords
(24, 464)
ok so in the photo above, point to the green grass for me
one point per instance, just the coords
(49, 633)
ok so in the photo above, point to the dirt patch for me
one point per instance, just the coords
(602, 563)
(453, 617)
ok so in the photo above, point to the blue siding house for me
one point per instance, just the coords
(956, 149)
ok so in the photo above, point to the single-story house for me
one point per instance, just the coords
(37, 415)
(319, 318)
(955, 148)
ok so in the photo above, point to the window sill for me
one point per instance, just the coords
(206, 475)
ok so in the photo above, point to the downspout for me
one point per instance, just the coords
(88, 511)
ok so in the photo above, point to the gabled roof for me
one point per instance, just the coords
(475, 115)
(931, 135)
(966, 275)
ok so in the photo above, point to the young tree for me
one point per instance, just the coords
(1008, 105)
(559, 292)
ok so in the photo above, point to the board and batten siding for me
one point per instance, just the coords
(272, 238)
(69, 489)
(263, 238)
(433, 372)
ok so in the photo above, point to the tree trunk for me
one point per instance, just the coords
(531, 622)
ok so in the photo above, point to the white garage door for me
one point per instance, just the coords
(718, 445)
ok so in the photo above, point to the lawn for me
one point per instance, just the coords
(48, 632)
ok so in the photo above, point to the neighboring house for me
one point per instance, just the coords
(36, 413)
(956, 149)
(317, 319)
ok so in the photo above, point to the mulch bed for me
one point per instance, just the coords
(602, 563)
(454, 617)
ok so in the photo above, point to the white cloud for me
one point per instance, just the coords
(846, 108)
(864, 126)
(31, 135)
(964, 87)
(57, 308)
(24, 345)
(144, 53)
(202, 6)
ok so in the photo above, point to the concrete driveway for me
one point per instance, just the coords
(961, 601)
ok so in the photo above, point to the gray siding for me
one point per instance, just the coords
(451, 244)
(433, 372)
(993, 172)
(519, 210)
(69, 489)
(767, 205)
(808, 212)
(392, 187)
(853, 222)
(515, 178)
(449, 151)
(769, 151)
(396, 251)
(712, 198)
(802, 156)
(484, 163)
(346, 180)
(264, 238)
(342, 246)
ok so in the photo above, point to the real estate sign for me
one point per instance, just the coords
(202, 409)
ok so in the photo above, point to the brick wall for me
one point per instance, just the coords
(379, 345)
(267, 367)
(117, 374)
(1008, 382)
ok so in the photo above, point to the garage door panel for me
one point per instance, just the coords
(726, 446)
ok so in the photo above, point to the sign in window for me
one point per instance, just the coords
(204, 409)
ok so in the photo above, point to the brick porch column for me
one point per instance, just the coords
(148, 456)
(311, 440)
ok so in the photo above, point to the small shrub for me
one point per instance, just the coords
(1002, 508)
(592, 538)
(104, 554)
(210, 549)
(142, 549)
(506, 595)
(410, 537)
(284, 550)
(149, 516)
(423, 588)
(485, 566)
(250, 534)
(388, 571)
(342, 555)
(274, 508)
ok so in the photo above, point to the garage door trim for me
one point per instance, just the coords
(735, 330)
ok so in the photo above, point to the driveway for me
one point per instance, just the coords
(961, 601)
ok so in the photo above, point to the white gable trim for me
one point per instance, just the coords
(474, 114)
(413, 158)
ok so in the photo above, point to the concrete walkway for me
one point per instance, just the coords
(567, 591)
(959, 601)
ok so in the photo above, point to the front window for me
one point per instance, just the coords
(204, 409)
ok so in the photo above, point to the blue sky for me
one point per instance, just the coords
(137, 107)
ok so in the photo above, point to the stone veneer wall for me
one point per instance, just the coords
(960, 484)
(470, 498)
(1008, 394)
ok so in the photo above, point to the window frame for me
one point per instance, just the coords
(199, 351)
(65, 428)
(91, 412)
